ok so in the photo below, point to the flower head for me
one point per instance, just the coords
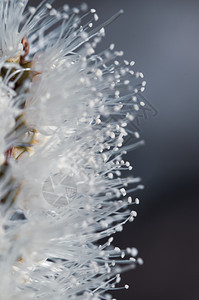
(65, 118)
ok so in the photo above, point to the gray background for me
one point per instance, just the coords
(163, 38)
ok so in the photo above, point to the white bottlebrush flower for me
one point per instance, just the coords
(65, 116)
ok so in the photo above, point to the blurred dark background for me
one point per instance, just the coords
(162, 36)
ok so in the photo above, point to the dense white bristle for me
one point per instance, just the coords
(72, 109)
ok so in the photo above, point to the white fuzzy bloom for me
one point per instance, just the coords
(65, 116)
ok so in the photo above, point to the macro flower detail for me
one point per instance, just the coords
(66, 114)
